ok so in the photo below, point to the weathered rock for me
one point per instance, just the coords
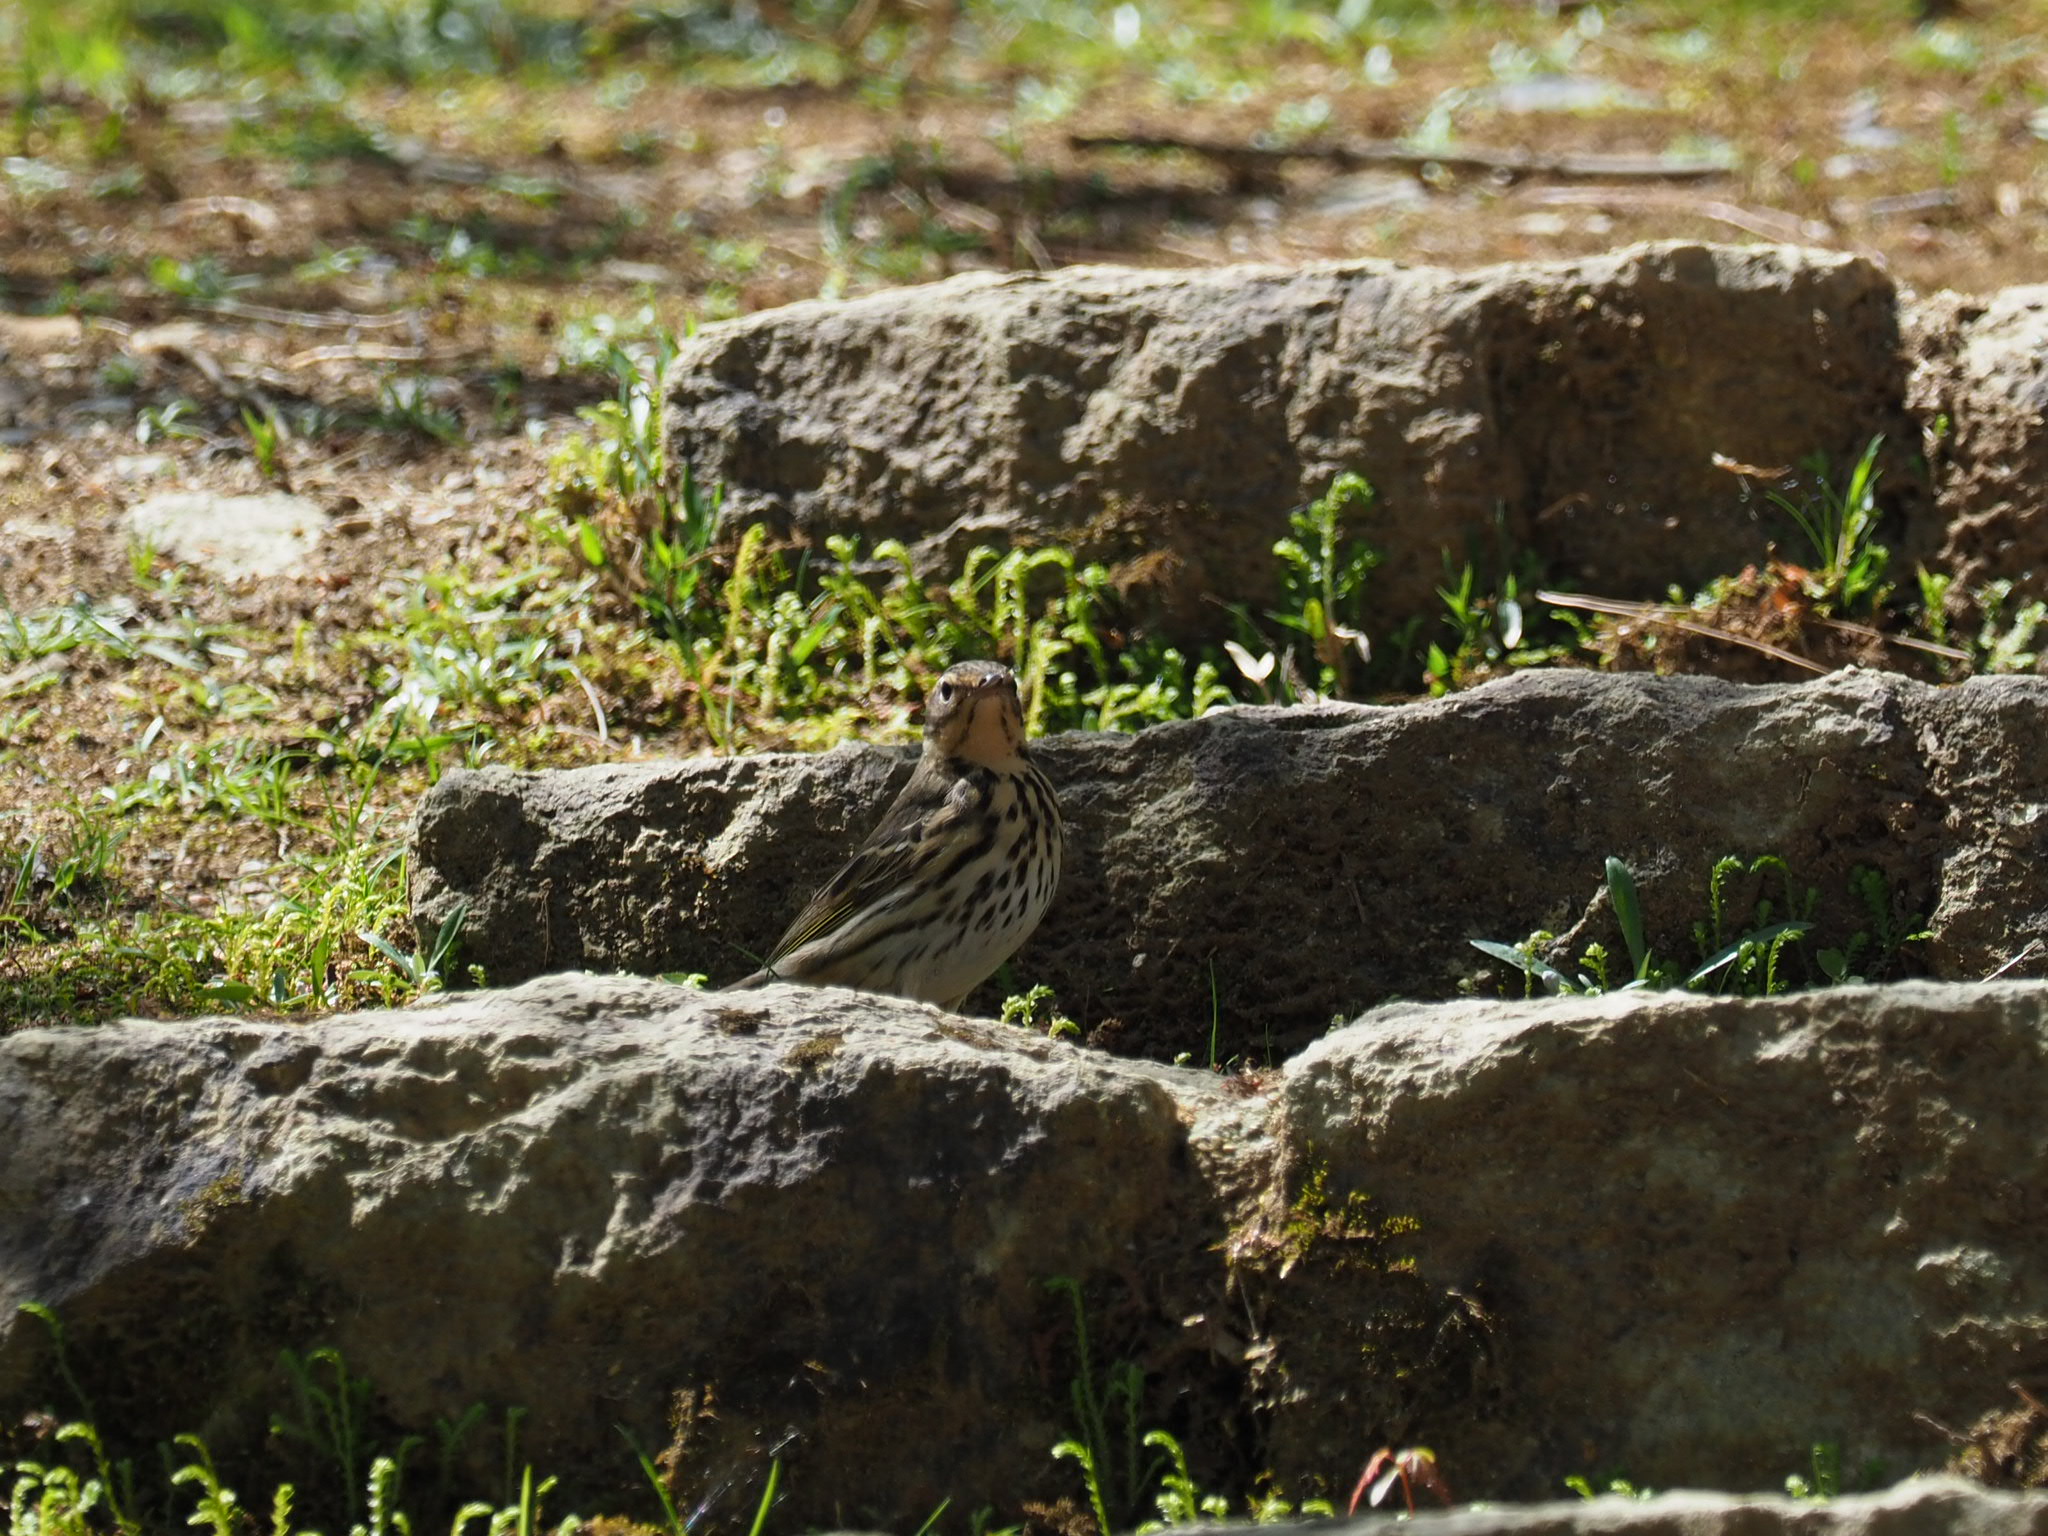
(1687, 1237)
(1934, 1506)
(1682, 1238)
(1982, 370)
(1567, 409)
(833, 1214)
(1267, 870)
(272, 534)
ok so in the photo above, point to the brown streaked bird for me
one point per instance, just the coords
(959, 872)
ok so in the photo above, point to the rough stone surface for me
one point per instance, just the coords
(1933, 1506)
(1680, 1237)
(1982, 365)
(271, 534)
(835, 1213)
(1307, 863)
(1691, 1236)
(1172, 419)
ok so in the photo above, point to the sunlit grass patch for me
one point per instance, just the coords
(333, 934)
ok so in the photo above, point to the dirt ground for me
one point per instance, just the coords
(410, 262)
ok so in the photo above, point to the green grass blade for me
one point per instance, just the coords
(767, 1497)
(1628, 908)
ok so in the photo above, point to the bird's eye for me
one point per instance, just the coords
(945, 691)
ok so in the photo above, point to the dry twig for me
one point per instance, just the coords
(1508, 164)
(1681, 618)
(1764, 223)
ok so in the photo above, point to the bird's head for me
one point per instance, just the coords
(973, 712)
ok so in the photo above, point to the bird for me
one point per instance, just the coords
(960, 870)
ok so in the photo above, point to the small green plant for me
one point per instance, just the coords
(1269, 1506)
(1611, 1487)
(1758, 947)
(1179, 1500)
(1442, 669)
(767, 1498)
(1314, 1221)
(1039, 1009)
(120, 374)
(168, 422)
(1747, 959)
(201, 281)
(381, 1498)
(1884, 938)
(47, 1316)
(672, 1520)
(49, 1498)
(111, 1483)
(1108, 1447)
(1323, 574)
(309, 947)
(766, 631)
(1486, 631)
(649, 542)
(37, 878)
(331, 262)
(218, 1506)
(1934, 595)
(775, 634)
(519, 1517)
(407, 406)
(328, 1419)
(424, 972)
(54, 1500)
(2006, 634)
(1841, 527)
(1178, 1497)
(1826, 1482)
(266, 440)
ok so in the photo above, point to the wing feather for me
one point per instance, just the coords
(922, 818)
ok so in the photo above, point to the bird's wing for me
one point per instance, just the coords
(922, 817)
